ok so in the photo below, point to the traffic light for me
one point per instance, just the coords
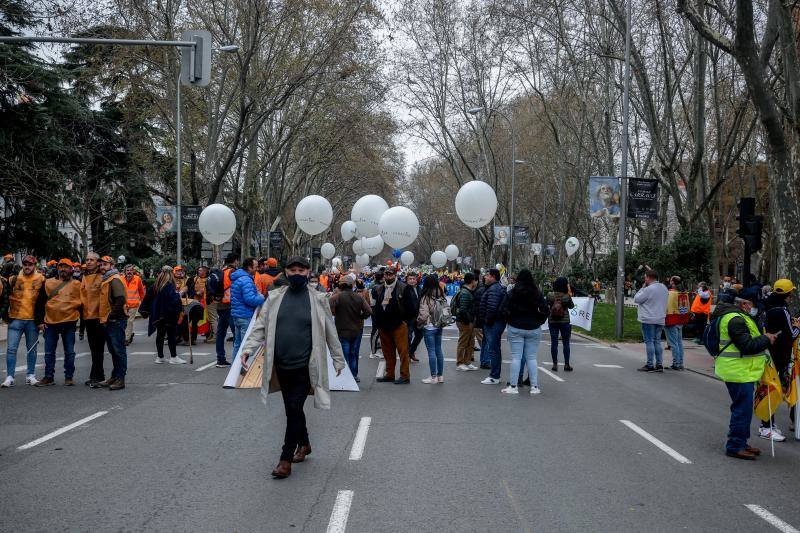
(747, 208)
(750, 224)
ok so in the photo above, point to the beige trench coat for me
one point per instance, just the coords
(323, 335)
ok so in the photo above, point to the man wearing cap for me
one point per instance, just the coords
(740, 364)
(268, 273)
(778, 320)
(219, 312)
(349, 311)
(393, 307)
(113, 317)
(26, 317)
(90, 300)
(134, 291)
(245, 298)
(61, 312)
(297, 329)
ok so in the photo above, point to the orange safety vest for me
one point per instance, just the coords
(700, 308)
(90, 295)
(24, 292)
(226, 285)
(105, 302)
(64, 306)
(134, 291)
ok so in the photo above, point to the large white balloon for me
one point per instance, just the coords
(217, 223)
(313, 214)
(399, 227)
(373, 246)
(407, 257)
(367, 212)
(362, 260)
(336, 262)
(358, 246)
(327, 250)
(451, 252)
(348, 230)
(438, 259)
(476, 203)
(572, 245)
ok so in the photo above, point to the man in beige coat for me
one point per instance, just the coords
(296, 327)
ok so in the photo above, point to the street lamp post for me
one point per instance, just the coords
(475, 111)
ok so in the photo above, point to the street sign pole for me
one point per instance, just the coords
(623, 201)
(179, 251)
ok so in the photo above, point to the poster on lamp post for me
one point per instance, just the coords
(643, 198)
(604, 197)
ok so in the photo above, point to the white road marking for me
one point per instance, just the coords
(381, 369)
(142, 353)
(360, 440)
(341, 511)
(60, 431)
(543, 369)
(607, 366)
(204, 367)
(771, 519)
(186, 354)
(41, 365)
(660, 445)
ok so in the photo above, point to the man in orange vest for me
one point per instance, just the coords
(267, 275)
(219, 284)
(113, 317)
(26, 316)
(134, 290)
(90, 299)
(63, 302)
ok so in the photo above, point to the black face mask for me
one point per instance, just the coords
(297, 281)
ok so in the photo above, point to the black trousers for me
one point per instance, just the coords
(97, 346)
(295, 385)
(415, 336)
(169, 330)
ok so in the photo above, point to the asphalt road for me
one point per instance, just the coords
(175, 451)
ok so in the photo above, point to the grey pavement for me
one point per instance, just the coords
(177, 452)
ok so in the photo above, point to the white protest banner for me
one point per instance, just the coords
(581, 314)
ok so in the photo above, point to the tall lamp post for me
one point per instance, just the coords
(475, 111)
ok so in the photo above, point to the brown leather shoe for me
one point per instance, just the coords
(69, 382)
(753, 450)
(103, 384)
(46, 382)
(742, 454)
(283, 470)
(117, 385)
(300, 454)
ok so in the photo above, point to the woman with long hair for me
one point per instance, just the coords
(525, 311)
(164, 306)
(431, 298)
(560, 302)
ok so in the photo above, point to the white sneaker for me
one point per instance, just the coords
(159, 361)
(9, 382)
(774, 434)
(441, 379)
(462, 367)
(375, 356)
(472, 367)
(510, 390)
(30, 379)
(432, 379)
(490, 381)
(535, 390)
(176, 361)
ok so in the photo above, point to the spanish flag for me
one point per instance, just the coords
(769, 393)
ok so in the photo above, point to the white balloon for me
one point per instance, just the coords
(367, 212)
(407, 257)
(572, 245)
(358, 246)
(362, 260)
(499, 266)
(476, 203)
(399, 227)
(438, 259)
(313, 214)
(327, 250)
(336, 262)
(451, 252)
(348, 230)
(217, 223)
(373, 246)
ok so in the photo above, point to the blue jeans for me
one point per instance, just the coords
(16, 328)
(524, 343)
(741, 415)
(484, 352)
(223, 322)
(350, 348)
(565, 330)
(433, 343)
(115, 338)
(675, 340)
(239, 329)
(65, 330)
(652, 343)
(492, 334)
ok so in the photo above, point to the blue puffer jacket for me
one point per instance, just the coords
(492, 299)
(244, 295)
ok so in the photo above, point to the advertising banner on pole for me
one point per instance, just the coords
(604, 197)
(536, 248)
(550, 250)
(643, 198)
(189, 217)
(521, 235)
(166, 219)
(275, 240)
(501, 235)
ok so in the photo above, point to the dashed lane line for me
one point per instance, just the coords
(381, 369)
(660, 445)
(771, 519)
(41, 365)
(552, 375)
(341, 512)
(607, 366)
(204, 367)
(360, 440)
(61, 431)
